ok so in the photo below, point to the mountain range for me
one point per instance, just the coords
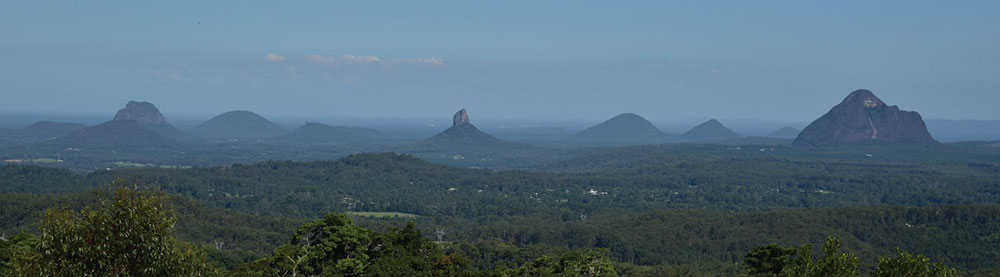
(860, 118)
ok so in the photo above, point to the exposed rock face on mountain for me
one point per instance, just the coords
(465, 144)
(864, 118)
(313, 132)
(711, 130)
(464, 138)
(115, 134)
(787, 132)
(238, 125)
(46, 130)
(461, 117)
(462, 132)
(626, 128)
(150, 117)
(143, 112)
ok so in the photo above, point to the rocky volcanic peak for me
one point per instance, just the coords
(147, 115)
(461, 117)
(143, 112)
(464, 141)
(863, 117)
(461, 133)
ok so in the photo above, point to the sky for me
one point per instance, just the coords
(562, 60)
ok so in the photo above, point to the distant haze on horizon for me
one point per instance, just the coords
(589, 61)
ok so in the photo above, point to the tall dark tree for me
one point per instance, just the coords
(333, 245)
(911, 265)
(777, 260)
(131, 236)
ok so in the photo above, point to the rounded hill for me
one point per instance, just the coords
(238, 125)
(711, 130)
(623, 128)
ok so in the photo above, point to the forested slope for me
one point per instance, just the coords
(701, 213)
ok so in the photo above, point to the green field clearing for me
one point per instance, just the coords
(383, 214)
(46, 160)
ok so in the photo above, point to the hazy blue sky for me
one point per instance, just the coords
(772, 60)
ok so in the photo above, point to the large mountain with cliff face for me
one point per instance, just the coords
(143, 112)
(626, 128)
(863, 118)
(138, 125)
(147, 115)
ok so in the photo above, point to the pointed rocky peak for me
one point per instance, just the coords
(143, 112)
(864, 98)
(461, 117)
(461, 134)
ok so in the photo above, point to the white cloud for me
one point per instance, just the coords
(346, 58)
(321, 59)
(369, 59)
(168, 75)
(272, 57)
(427, 61)
(358, 59)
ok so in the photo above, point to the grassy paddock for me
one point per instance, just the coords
(383, 214)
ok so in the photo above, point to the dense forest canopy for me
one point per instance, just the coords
(676, 210)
